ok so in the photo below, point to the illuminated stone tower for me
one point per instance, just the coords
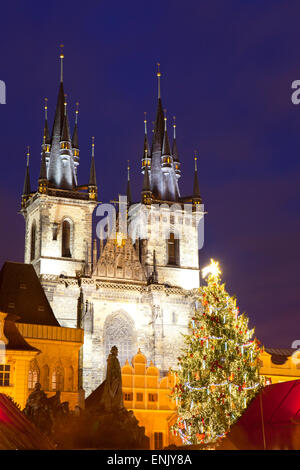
(170, 242)
(58, 215)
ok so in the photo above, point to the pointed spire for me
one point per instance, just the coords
(26, 187)
(92, 181)
(61, 63)
(158, 79)
(46, 136)
(159, 122)
(65, 134)
(196, 190)
(129, 198)
(166, 144)
(146, 144)
(174, 146)
(75, 143)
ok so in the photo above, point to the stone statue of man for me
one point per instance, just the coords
(112, 397)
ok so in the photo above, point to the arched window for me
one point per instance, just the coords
(32, 241)
(173, 250)
(57, 379)
(66, 239)
(45, 377)
(118, 332)
(33, 375)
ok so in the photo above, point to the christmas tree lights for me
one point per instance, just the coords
(218, 373)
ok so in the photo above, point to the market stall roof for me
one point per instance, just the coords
(272, 420)
(16, 431)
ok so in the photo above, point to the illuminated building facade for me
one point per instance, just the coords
(132, 292)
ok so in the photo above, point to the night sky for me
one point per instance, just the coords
(227, 68)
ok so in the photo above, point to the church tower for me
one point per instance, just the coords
(170, 222)
(58, 215)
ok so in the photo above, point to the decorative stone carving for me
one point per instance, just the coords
(119, 261)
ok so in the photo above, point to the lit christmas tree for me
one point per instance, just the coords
(218, 371)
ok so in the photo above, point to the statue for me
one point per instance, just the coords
(45, 412)
(112, 397)
(37, 409)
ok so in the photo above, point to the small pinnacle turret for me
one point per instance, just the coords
(26, 186)
(128, 190)
(92, 181)
(196, 190)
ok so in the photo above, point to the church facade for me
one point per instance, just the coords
(134, 290)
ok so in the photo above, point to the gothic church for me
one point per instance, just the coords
(131, 293)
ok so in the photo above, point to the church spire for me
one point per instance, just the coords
(46, 135)
(65, 134)
(128, 192)
(26, 186)
(196, 190)
(92, 181)
(156, 173)
(61, 63)
(75, 144)
(166, 144)
(175, 151)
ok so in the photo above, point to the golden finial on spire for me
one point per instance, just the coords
(61, 62)
(195, 158)
(145, 121)
(28, 155)
(93, 146)
(46, 108)
(174, 126)
(76, 112)
(65, 103)
(128, 170)
(158, 77)
(165, 118)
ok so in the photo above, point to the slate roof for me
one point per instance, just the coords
(22, 294)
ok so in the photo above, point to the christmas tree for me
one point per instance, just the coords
(218, 372)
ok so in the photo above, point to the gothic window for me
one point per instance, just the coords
(139, 397)
(118, 332)
(45, 377)
(173, 250)
(32, 241)
(174, 317)
(33, 375)
(66, 239)
(57, 380)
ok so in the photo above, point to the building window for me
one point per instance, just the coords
(66, 239)
(158, 440)
(152, 397)
(32, 241)
(118, 332)
(174, 317)
(33, 378)
(139, 397)
(57, 382)
(128, 396)
(173, 250)
(4, 375)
